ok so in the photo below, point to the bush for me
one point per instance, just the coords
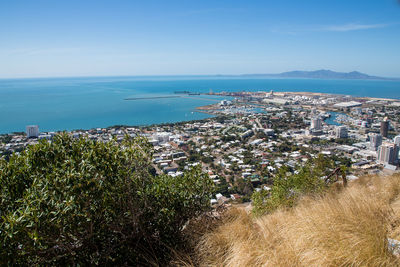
(84, 202)
(287, 189)
(5, 138)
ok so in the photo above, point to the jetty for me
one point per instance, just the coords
(151, 97)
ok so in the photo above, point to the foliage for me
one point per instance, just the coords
(5, 138)
(248, 158)
(321, 142)
(287, 187)
(286, 146)
(243, 187)
(345, 141)
(194, 156)
(223, 187)
(207, 160)
(82, 202)
(227, 138)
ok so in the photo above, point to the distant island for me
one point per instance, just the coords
(321, 74)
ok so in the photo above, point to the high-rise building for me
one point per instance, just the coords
(316, 123)
(341, 132)
(375, 141)
(384, 127)
(388, 154)
(397, 140)
(32, 131)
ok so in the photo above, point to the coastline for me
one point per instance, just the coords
(328, 94)
(212, 109)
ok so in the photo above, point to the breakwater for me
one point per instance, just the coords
(150, 97)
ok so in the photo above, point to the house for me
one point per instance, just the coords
(235, 196)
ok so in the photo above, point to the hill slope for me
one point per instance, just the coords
(328, 74)
(343, 228)
(321, 74)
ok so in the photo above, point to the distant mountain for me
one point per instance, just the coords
(322, 74)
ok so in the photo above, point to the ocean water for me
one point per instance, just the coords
(83, 103)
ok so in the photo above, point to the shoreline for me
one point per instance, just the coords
(118, 125)
(329, 94)
(305, 93)
(208, 109)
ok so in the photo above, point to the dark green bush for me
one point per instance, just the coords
(84, 202)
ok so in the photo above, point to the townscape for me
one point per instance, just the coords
(253, 134)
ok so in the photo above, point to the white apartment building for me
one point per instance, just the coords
(375, 141)
(341, 132)
(32, 131)
(388, 154)
(316, 123)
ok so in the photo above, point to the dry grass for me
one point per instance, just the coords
(348, 227)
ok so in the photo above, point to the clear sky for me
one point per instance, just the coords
(41, 38)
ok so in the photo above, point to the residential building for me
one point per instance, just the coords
(32, 131)
(375, 141)
(384, 127)
(341, 132)
(316, 123)
(388, 154)
(397, 140)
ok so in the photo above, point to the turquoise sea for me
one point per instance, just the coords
(83, 103)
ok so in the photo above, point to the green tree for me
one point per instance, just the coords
(5, 138)
(222, 187)
(82, 202)
(288, 187)
(243, 187)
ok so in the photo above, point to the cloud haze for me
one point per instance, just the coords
(353, 27)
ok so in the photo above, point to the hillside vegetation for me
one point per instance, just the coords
(344, 227)
(78, 202)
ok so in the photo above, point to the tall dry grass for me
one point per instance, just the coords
(346, 227)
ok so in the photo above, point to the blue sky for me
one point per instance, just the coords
(122, 37)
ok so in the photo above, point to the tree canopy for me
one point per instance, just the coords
(79, 201)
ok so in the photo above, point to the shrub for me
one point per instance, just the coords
(288, 188)
(92, 203)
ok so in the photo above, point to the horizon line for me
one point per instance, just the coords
(193, 75)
